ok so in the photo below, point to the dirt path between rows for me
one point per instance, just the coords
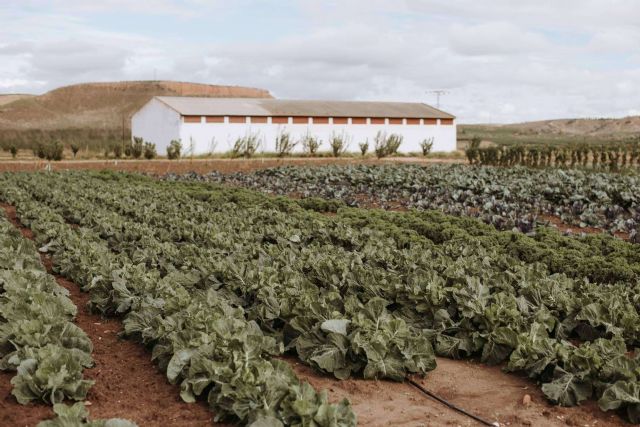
(482, 390)
(127, 383)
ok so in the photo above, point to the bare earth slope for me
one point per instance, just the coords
(555, 130)
(9, 98)
(102, 105)
(591, 127)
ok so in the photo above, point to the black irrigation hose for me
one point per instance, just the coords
(449, 404)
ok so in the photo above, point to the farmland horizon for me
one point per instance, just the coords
(17, 96)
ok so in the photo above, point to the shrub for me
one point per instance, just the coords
(149, 150)
(246, 146)
(380, 144)
(53, 151)
(284, 144)
(338, 143)
(174, 149)
(364, 147)
(310, 144)
(74, 149)
(137, 147)
(393, 143)
(117, 150)
(386, 145)
(39, 150)
(473, 151)
(426, 145)
(252, 145)
(14, 151)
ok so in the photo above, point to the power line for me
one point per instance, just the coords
(438, 93)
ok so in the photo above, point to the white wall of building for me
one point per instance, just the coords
(156, 123)
(159, 124)
(220, 137)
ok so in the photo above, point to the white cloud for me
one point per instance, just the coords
(13, 83)
(494, 38)
(622, 40)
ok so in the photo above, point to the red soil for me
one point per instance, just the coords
(575, 229)
(482, 390)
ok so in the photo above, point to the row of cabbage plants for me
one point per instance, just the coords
(507, 198)
(349, 297)
(38, 338)
(199, 337)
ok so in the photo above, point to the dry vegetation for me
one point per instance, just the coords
(7, 99)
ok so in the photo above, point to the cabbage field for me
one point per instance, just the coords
(38, 339)
(507, 198)
(220, 282)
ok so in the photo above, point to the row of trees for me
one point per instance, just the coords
(135, 149)
(94, 140)
(384, 145)
(612, 156)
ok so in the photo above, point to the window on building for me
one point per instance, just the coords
(300, 120)
(191, 119)
(413, 121)
(377, 121)
(395, 121)
(320, 120)
(237, 119)
(446, 121)
(258, 119)
(215, 119)
(280, 120)
(359, 121)
(430, 121)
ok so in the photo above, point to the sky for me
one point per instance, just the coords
(499, 61)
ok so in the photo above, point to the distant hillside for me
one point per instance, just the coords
(9, 98)
(103, 105)
(95, 115)
(556, 130)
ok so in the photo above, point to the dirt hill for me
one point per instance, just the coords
(101, 105)
(9, 98)
(599, 127)
(555, 130)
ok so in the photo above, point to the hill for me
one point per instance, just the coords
(102, 105)
(11, 97)
(570, 130)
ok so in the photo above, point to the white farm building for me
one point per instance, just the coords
(205, 125)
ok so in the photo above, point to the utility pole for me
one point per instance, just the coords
(438, 93)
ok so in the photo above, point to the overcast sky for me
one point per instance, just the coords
(499, 60)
